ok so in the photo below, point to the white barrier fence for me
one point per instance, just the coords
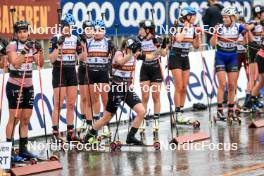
(196, 92)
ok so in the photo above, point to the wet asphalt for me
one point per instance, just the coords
(234, 149)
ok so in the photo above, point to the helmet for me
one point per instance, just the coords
(99, 24)
(188, 11)
(87, 23)
(19, 25)
(229, 11)
(257, 9)
(147, 24)
(67, 19)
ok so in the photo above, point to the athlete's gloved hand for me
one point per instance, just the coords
(61, 40)
(37, 46)
(82, 38)
(3, 45)
(165, 42)
(134, 45)
(28, 45)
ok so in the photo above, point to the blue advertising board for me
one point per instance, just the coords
(127, 14)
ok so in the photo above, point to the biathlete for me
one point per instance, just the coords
(63, 52)
(120, 90)
(21, 52)
(150, 72)
(179, 63)
(226, 65)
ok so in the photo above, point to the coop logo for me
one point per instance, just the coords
(79, 11)
(132, 13)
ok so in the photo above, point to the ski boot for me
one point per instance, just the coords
(15, 158)
(71, 137)
(91, 139)
(232, 117)
(24, 153)
(133, 140)
(106, 132)
(219, 117)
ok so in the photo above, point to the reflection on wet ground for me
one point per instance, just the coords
(240, 151)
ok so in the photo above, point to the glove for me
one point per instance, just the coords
(165, 42)
(27, 47)
(133, 45)
(3, 45)
(82, 38)
(38, 46)
(79, 50)
(61, 40)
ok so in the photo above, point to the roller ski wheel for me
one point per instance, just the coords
(156, 145)
(119, 145)
(53, 158)
(33, 161)
(113, 146)
(196, 124)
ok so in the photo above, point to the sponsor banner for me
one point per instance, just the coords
(202, 84)
(42, 15)
(128, 14)
(5, 155)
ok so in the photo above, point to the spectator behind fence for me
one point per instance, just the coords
(212, 15)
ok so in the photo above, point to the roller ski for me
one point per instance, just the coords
(233, 118)
(181, 120)
(132, 142)
(220, 117)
